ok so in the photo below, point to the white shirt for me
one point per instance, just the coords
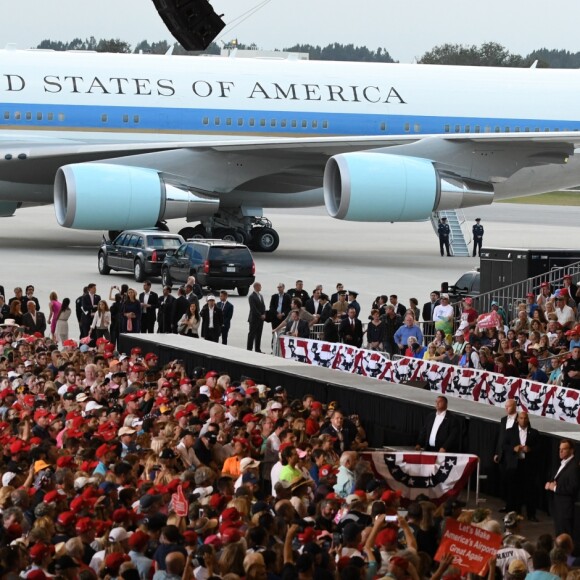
(210, 310)
(436, 424)
(442, 312)
(275, 475)
(511, 419)
(523, 433)
(565, 315)
(563, 464)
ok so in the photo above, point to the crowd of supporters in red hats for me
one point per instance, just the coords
(115, 467)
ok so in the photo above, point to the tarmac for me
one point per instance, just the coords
(371, 258)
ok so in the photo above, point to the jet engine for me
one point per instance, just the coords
(102, 196)
(368, 186)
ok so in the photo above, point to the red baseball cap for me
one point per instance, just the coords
(211, 374)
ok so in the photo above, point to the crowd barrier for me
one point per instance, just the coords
(548, 401)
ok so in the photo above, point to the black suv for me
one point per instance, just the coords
(139, 251)
(214, 263)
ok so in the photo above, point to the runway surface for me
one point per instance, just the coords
(401, 258)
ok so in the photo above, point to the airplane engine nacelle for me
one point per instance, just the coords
(102, 196)
(381, 187)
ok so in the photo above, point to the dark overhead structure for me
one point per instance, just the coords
(193, 23)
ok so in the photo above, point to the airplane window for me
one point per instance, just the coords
(39, 116)
(262, 122)
(104, 118)
(294, 124)
(17, 116)
(556, 130)
(417, 128)
(527, 129)
(383, 126)
(447, 128)
(135, 118)
(507, 129)
(283, 123)
(517, 129)
(458, 128)
(476, 129)
(304, 124)
(252, 122)
(467, 128)
(497, 129)
(50, 116)
(272, 122)
(537, 129)
(325, 125)
(205, 120)
(61, 117)
(216, 121)
(315, 124)
(547, 130)
(229, 121)
(28, 116)
(6, 115)
(407, 127)
(125, 118)
(487, 129)
(240, 122)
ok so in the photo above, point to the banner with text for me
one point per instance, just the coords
(471, 547)
(476, 385)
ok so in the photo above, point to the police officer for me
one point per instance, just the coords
(477, 237)
(444, 231)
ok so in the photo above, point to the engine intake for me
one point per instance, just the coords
(102, 196)
(381, 187)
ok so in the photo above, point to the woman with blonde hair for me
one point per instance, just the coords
(232, 559)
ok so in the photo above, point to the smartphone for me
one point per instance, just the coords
(337, 538)
(391, 519)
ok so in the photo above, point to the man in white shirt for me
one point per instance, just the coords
(564, 313)
(440, 432)
(506, 423)
(564, 489)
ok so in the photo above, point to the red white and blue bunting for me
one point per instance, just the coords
(548, 401)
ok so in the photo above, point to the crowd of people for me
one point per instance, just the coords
(114, 466)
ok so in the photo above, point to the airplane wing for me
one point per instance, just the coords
(384, 178)
(484, 156)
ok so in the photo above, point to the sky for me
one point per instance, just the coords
(406, 29)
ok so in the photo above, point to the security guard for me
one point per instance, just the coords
(444, 231)
(477, 237)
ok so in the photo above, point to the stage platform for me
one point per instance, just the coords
(391, 414)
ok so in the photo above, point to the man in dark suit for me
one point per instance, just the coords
(427, 313)
(521, 451)
(350, 329)
(440, 432)
(313, 304)
(256, 318)
(330, 329)
(334, 297)
(165, 311)
(326, 310)
(279, 306)
(149, 304)
(227, 309)
(89, 305)
(506, 423)
(297, 327)
(180, 307)
(33, 320)
(564, 488)
(211, 320)
(342, 430)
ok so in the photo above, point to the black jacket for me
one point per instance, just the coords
(303, 328)
(350, 335)
(501, 437)
(512, 439)
(447, 436)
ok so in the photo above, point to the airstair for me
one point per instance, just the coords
(460, 237)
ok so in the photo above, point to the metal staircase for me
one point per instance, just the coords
(460, 237)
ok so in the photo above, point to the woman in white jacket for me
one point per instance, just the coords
(101, 321)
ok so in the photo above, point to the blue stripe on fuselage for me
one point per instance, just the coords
(240, 122)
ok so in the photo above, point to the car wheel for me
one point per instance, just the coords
(196, 233)
(166, 278)
(243, 290)
(265, 239)
(227, 234)
(102, 261)
(138, 271)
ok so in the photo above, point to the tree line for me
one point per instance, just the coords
(487, 54)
